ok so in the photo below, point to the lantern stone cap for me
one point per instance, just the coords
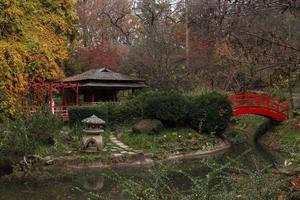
(93, 120)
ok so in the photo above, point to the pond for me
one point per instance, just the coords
(95, 182)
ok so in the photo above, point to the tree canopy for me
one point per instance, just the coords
(34, 38)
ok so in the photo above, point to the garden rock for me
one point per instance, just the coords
(148, 126)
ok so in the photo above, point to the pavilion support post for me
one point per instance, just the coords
(63, 95)
(77, 94)
(115, 98)
(93, 96)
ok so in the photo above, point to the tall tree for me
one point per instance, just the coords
(158, 55)
(34, 37)
(105, 21)
(251, 41)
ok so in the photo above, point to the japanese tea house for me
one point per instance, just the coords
(100, 85)
(94, 85)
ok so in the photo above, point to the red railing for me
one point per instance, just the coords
(62, 111)
(58, 110)
(250, 103)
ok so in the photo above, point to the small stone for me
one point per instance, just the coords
(149, 155)
(124, 146)
(139, 151)
(50, 162)
(48, 157)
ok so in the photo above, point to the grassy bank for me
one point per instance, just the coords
(282, 139)
(169, 141)
(285, 138)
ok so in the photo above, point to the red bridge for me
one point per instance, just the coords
(264, 105)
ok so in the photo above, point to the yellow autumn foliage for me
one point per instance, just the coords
(34, 39)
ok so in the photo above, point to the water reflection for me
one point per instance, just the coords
(93, 182)
(104, 184)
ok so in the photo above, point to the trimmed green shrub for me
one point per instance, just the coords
(136, 103)
(78, 113)
(109, 111)
(209, 113)
(169, 107)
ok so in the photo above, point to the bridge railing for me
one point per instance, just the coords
(250, 100)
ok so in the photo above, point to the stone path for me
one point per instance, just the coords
(118, 148)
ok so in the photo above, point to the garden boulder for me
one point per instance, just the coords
(148, 126)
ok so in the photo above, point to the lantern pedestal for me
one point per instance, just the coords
(92, 140)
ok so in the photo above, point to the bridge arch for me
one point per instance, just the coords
(259, 104)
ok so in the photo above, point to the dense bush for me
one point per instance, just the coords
(124, 111)
(21, 136)
(209, 113)
(78, 113)
(44, 126)
(169, 107)
(108, 111)
(15, 139)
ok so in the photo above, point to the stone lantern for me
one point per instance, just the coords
(93, 129)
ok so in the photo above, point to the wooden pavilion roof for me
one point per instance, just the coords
(101, 74)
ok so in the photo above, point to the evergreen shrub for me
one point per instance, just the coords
(169, 107)
(110, 112)
(209, 113)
